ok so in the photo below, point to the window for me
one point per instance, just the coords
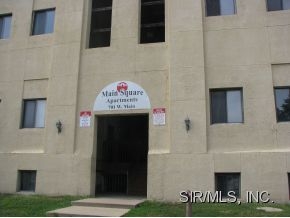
(101, 20)
(34, 113)
(282, 98)
(226, 106)
(43, 22)
(220, 7)
(226, 182)
(152, 21)
(27, 180)
(5, 26)
(276, 5)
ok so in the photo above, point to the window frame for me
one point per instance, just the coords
(235, 10)
(275, 98)
(10, 30)
(33, 21)
(226, 90)
(219, 174)
(24, 111)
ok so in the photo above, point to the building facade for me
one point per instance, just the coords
(85, 86)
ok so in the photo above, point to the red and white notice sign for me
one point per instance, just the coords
(159, 116)
(85, 118)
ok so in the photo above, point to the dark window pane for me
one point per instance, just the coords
(152, 14)
(29, 114)
(101, 21)
(226, 182)
(43, 22)
(151, 2)
(101, 3)
(212, 8)
(152, 34)
(282, 97)
(274, 5)
(100, 39)
(218, 107)
(5, 26)
(152, 22)
(27, 180)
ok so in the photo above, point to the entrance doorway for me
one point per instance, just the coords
(122, 151)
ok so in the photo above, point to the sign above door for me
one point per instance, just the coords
(122, 95)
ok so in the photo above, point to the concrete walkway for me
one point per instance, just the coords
(100, 206)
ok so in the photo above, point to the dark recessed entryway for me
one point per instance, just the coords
(122, 150)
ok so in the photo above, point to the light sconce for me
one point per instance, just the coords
(187, 124)
(58, 126)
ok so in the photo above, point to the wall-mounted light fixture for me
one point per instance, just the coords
(58, 126)
(187, 124)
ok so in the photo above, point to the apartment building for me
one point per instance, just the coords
(145, 97)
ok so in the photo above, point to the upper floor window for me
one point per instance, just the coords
(33, 113)
(276, 5)
(282, 98)
(5, 26)
(101, 19)
(152, 21)
(220, 7)
(43, 21)
(226, 106)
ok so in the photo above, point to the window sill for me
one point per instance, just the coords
(42, 34)
(226, 15)
(91, 51)
(152, 45)
(283, 122)
(226, 124)
(278, 10)
(32, 129)
(93, 48)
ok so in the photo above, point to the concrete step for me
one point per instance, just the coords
(100, 206)
(110, 202)
(82, 211)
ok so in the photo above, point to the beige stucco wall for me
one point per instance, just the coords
(250, 49)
